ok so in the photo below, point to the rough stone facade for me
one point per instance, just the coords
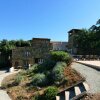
(72, 47)
(59, 46)
(27, 56)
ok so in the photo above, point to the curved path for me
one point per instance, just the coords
(3, 94)
(92, 76)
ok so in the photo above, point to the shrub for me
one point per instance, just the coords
(62, 64)
(32, 69)
(23, 72)
(19, 78)
(37, 96)
(49, 64)
(39, 80)
(61, 56)
(46, 66)
(49, 77)
(58, 72)
(50, 93)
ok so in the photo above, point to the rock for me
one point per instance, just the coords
(12, 69)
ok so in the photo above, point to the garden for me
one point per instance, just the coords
(43, 81)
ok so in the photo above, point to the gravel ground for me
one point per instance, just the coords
(92, 97)
(3, 94)
(92, 76)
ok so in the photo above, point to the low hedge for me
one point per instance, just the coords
(39, 79)
(61, 56)
(50, 93)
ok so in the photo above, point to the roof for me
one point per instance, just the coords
(40, 39)
(59, 42)
(74, 30)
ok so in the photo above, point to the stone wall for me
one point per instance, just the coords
(59, 46)
(23, 56)
(72, 47)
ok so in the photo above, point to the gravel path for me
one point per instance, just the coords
(3, 94)
(92, 76)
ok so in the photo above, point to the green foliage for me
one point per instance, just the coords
(49, 77)
(6, 49)
(22, 73)
(61, 56)
(50, 93)
(49, 64)
(62, 64)
(88, 40)
(58, 72)
(6, 46)
(31, 70)
(82, 41)
(19, 77)
(39, 79)
(37, 97)
(46, 66)
(53, 72)
(22, 43)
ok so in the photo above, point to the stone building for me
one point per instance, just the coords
(72, 47)
(59, 46)
(27, 56)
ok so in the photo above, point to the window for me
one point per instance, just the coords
(27, 53)
(39, 60)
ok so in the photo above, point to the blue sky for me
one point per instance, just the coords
(25, 19)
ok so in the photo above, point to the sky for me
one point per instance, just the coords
(27, 19)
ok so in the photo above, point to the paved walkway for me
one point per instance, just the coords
(97, 63)
(92, 76)
(3, 94)
(93, 64)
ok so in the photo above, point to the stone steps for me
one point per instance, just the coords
(73, 92)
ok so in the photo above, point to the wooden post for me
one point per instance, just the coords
(57, 97)
(66, 95)
(77, 90)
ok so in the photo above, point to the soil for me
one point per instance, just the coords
(91, 97)
(20, 91)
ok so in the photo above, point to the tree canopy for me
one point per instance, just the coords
(6, 46)
(88, 40)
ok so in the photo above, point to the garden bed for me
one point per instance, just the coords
(90, 96)
(26, 92)
(43, 80)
